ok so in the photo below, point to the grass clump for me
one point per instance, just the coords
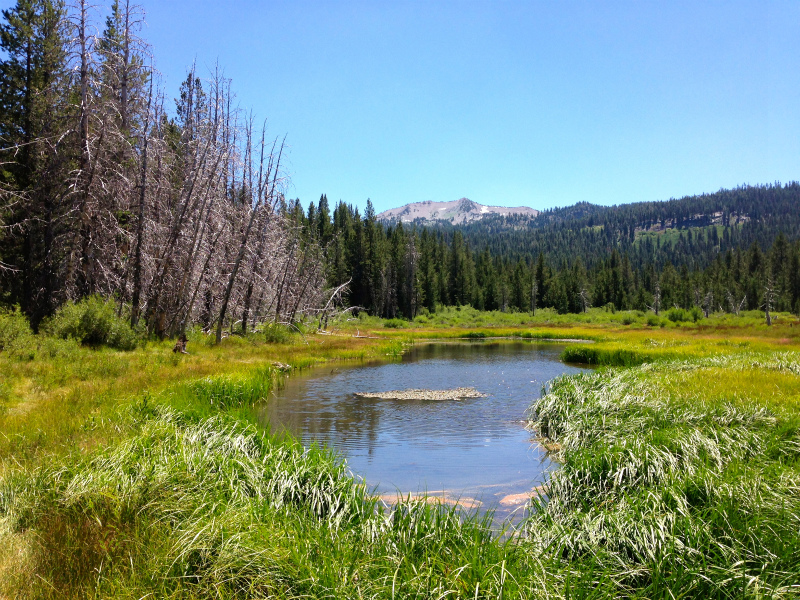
(182, 505)
(682, 315)
(233, 390)
(16, 337)
(590, 355)
(667, 490)
(395, 323)
(13, 327)
(93, 321)
(139, 474)
(276, 333)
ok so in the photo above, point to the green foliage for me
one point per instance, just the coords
(276, 333)
(230, 391)
(52, 348)
(196, 335)
(92, 321)
(671, 490)
(15, 331)
(395, 323)
(475, 335)
(680, 315)
(717, 247)
(590, 355)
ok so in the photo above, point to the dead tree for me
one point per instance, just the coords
(583, 296)
(656, 306)
(264, 200)
(735, 307)
(769, 298)
(708, 303)
(334, 296)
(137, 260)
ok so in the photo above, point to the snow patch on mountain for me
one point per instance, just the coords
(456, 212)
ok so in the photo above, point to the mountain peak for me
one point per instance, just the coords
(456, 212)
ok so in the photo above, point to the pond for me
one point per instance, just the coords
(475, 450)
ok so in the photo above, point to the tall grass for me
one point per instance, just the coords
(137, 474)
(214, 508)
(668, 493)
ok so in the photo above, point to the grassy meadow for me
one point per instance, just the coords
(142, 473)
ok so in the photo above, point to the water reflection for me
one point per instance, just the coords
(475, 447)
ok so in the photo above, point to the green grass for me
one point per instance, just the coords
(143, 474)
(667, 489)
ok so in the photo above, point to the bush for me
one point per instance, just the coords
(653, 321)
(679, 315)
(275, 333)
(91, 321)
(52, 347)
(394, 323)
(14, 328)
(475, 335)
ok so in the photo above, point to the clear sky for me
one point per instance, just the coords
(505, 102)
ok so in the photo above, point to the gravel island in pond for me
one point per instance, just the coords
(454, 394)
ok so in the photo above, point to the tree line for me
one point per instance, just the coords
(179, 213)
(709, 252)
(106, 189)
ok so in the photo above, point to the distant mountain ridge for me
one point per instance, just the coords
(456, 212)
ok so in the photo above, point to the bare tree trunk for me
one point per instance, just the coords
(137, 261)
(264, 198)
(86, 285)
(126, 58)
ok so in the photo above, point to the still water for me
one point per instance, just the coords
(474, 449)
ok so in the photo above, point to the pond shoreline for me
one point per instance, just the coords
(446, 416)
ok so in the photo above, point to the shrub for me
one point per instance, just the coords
(91, 321)
(394, 323)
(52, 347)
(275, 333)
(679, 315)
(16, 337)
(475, 335)
(653, 321)
(13, 327)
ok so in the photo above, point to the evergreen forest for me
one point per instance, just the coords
(176, 209)
(727, 251)
(110, 189)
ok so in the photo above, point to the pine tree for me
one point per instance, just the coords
(34, 174)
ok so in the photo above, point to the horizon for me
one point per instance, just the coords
(508, 104)
(545, 209)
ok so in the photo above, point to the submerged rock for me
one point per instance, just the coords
(454, 394)
(437, 497)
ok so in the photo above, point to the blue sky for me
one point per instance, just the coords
(506, 102)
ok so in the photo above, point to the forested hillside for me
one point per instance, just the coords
(731, 250)
(176, 210)
(108, 189)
